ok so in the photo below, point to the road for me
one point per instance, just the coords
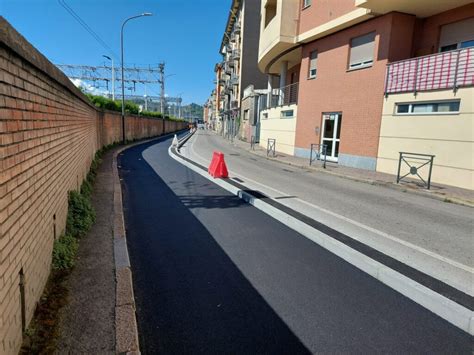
(215, 275)
(429, 235)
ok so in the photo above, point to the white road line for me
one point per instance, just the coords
(345, 219)
(444, 307)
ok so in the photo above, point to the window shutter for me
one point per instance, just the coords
(457, 32)
(362, 50)
(313, 63)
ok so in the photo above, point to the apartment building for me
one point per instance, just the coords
(210, 111)
(239, 69)
(371, 78)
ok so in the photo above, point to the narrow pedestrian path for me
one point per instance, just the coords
(215, 275)
(87, 323)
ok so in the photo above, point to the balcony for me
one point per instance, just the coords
(235, 54)
(278, 29)
(443, 71)
(234, 79)
(234, 104)
(237, 28)
(420, 8)
(227, 69)
(284, 96)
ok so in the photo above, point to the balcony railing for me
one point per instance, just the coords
(286, 95)
(234, 79)
(235, 54)
(448, 70)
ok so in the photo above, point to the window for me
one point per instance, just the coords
(287, 114)
(454, 46)
(435, 107)
(306, 3)
(270, 11)
(449, 47)
(246, 115)
(466, 44)
(362, 51)
(457, 35)
(313, 61)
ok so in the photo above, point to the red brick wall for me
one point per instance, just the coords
(49, 133)
(358, 94)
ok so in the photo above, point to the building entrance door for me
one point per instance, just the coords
(330, 136)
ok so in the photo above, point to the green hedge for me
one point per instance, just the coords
(130, 107)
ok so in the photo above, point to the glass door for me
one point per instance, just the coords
(331, 132)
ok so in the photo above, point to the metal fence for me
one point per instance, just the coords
(271, 144)
(318, 152)
(252, 142)
(447, 70)
(415, 162)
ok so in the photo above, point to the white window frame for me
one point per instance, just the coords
(411, 104)
(282, 116)
(309, 66)
(361, 65)
(458, 45)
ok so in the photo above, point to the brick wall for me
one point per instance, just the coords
(49, 133)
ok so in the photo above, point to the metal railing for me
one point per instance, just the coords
(415, 162)
(447, 70)
(252, 142)
(286, 95)
(271, 145)
(318, 152)
(234, 79)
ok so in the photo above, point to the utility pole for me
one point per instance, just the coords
(146, 100)
(113, 75)
(161, 71)
(179, 105)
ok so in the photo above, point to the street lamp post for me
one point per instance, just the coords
(113, 75)
(123, 84)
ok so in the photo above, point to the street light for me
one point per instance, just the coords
(123, 84)
(113, 75)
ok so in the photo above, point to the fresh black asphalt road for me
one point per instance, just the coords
(213, 274)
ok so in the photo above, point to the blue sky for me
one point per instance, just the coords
(185, 34)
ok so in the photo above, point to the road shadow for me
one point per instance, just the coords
(190, 296)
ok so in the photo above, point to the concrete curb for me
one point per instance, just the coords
(390, 185)
(442, 306)
(126, 329)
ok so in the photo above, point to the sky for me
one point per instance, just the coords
(186, 35)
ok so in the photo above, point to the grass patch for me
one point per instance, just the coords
(64, 252)
(80, 215)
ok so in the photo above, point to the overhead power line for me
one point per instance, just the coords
(87, 27)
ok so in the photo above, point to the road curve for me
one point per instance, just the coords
(215, 275)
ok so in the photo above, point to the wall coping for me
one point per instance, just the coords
(13, 40)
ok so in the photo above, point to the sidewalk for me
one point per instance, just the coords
(99, 317)
(441, 192)
(87, 321)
